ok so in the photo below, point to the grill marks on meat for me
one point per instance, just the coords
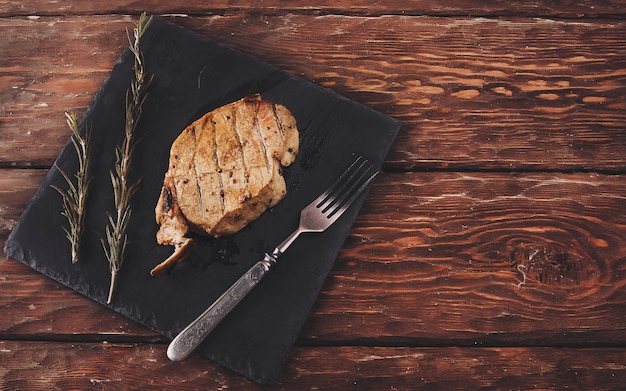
(225, 170)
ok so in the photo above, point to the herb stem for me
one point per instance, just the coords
(75, 197)
(112, 286)
(116, 237)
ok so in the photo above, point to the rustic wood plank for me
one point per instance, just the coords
(483, 258)
(51, 65)
(576, 9)
(433, 258)
(34, 365)
(472, 93)
(516, 94)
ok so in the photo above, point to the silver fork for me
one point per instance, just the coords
(316, 217)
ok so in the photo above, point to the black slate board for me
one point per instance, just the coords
(193, 75)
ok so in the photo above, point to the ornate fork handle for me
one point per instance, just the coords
(189, 339)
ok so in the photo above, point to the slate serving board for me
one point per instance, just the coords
(193, 75)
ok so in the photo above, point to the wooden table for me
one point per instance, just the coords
(491, 252)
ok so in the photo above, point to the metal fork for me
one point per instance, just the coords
(316, 217)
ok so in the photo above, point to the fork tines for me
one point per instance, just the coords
(341, 194)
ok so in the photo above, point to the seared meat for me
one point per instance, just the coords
(224, 172)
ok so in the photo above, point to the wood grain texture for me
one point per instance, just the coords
(49, 66)
(471, 93)
(475, 8)
(482, 258)
(34, 365)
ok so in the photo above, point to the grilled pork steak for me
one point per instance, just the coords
(224, 172)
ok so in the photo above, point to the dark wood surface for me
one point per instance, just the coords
(491, 252)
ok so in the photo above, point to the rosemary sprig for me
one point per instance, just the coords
(75, 197)
(116, 237)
